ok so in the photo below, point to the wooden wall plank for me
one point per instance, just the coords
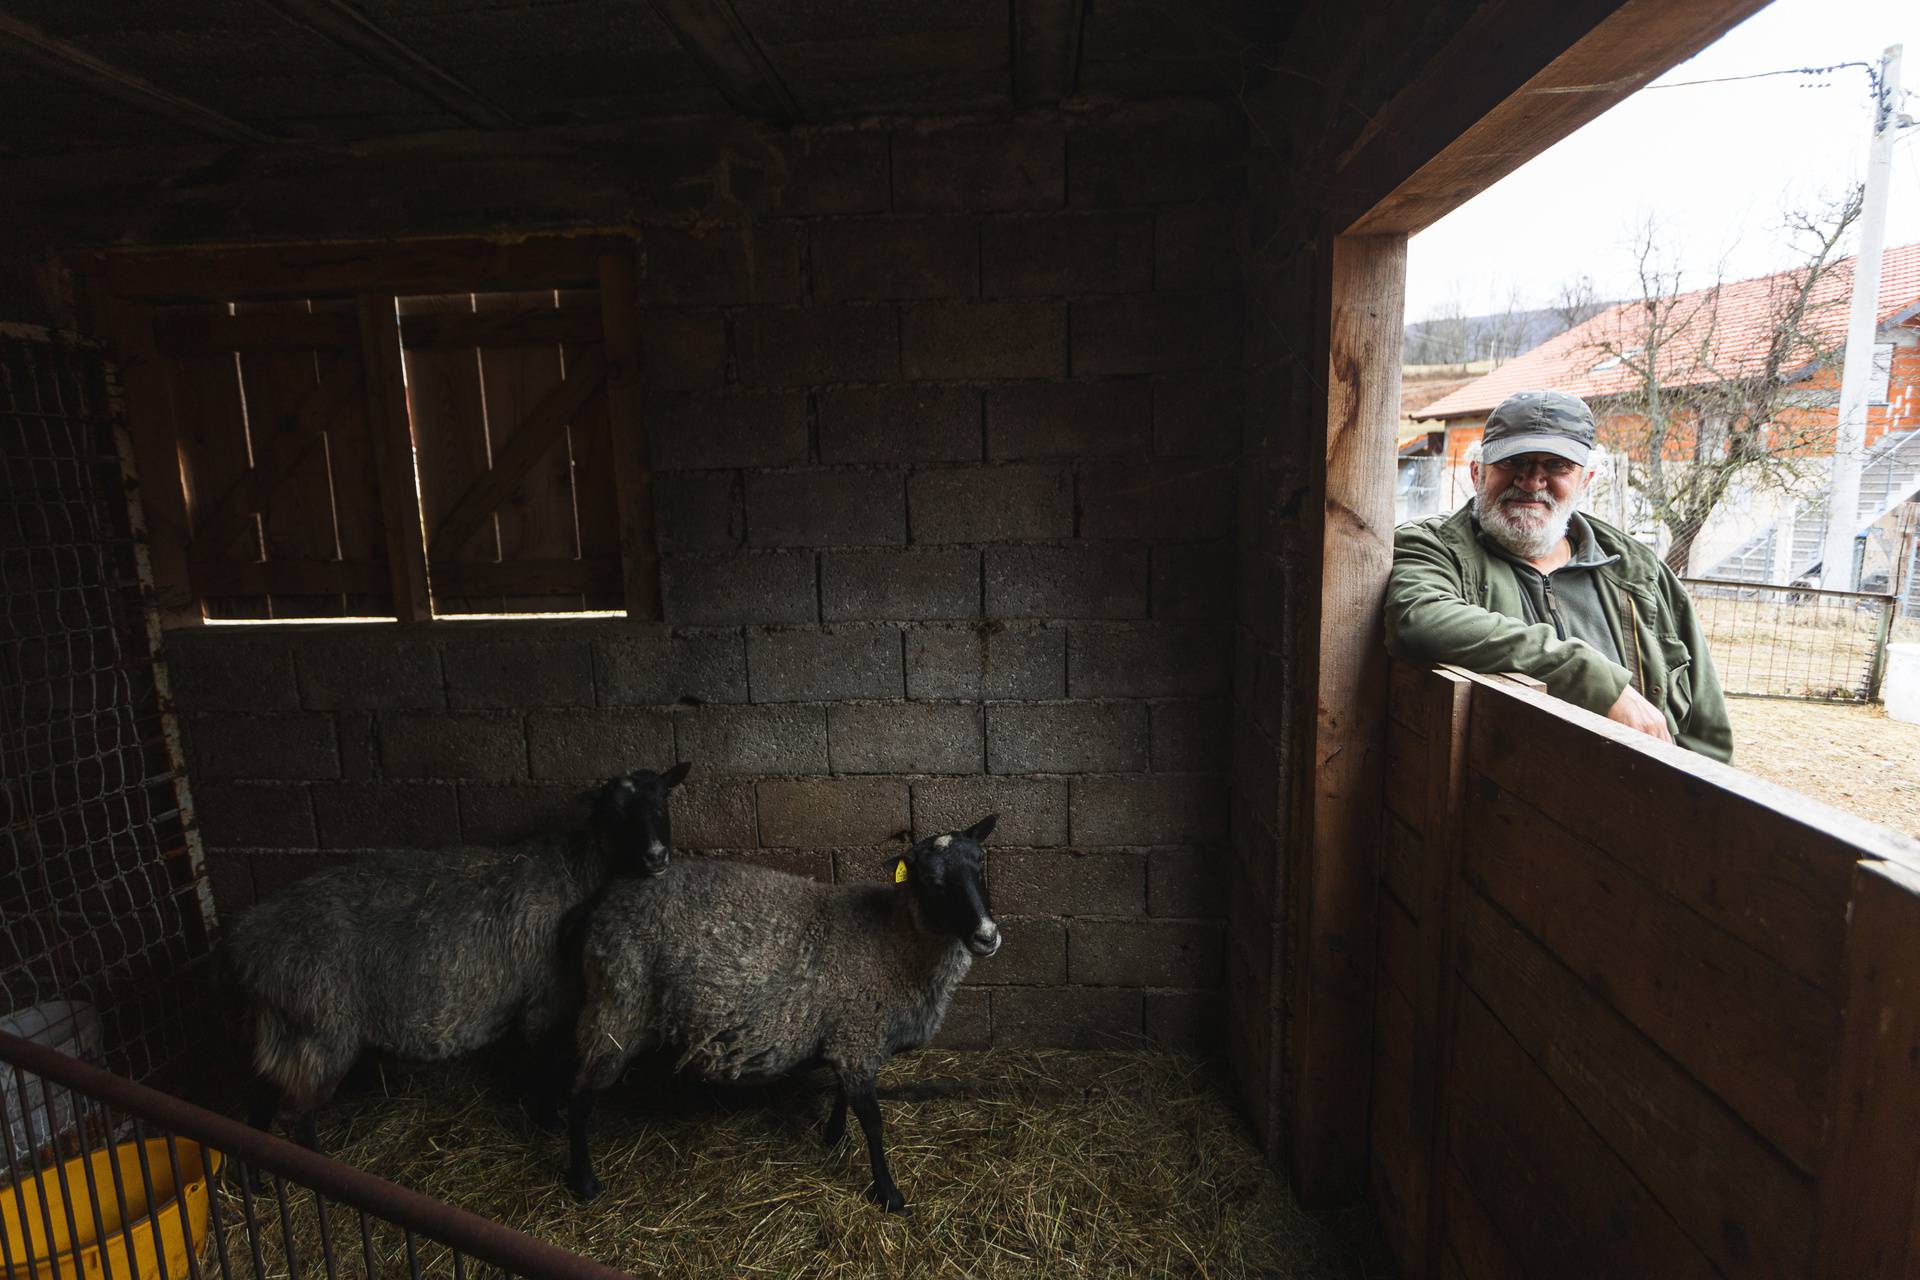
(1398, 1171)
(359, 525)
(1402, 854)
(626, 439)
(214, 450)
(1474, 1249)
(299, 577)
(1336, 871)
(1401, 962)
(450, 433)
(197, 331)
(1867, 1218)
(536, 514)
(390, 439)
(1564, 1205)
(576, 318)
(599, 575)
(1754, 1033)
(156, 452)
(1743, 1205)
(1769, 875)
(1406, 775)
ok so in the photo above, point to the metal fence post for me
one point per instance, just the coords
(1882, 634)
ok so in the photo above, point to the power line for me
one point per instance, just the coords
(1762, 75)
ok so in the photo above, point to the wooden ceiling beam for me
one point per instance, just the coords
(1046, 49)
(353, 31)
(70, 62)
(714, 36)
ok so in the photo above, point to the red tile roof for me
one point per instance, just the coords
(1577, 360)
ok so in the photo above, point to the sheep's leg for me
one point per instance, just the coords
(883, 1192)
(263, 1104)
(548, 1073)
(580, 1179)
(837, 1122)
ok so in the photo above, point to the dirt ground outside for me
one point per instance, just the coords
(1850, 755)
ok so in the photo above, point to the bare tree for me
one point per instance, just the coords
(1700, 408)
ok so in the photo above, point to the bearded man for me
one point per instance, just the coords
(1519, 580)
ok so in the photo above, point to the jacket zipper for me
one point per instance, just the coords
(1553, 610)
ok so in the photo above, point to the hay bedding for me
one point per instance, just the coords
(1015, 1163)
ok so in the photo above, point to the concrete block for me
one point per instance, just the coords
(809, 812)
(1066, 582)
(715, 264)
(1033, 811)
(983, 340)
(274, 871)
(1196, 247)
(694, 666)
(969, 1021)
(1148, 809)
(826, 508)
(1071, 737)
(1200, 414)
(1055, 255)
(749, 429)
(907, 585)
(230, 874)
(900, 424)
(805, 346)
(723, 740)
(358, 733)
(905, 737)
(296, 748)
(1145, 953)
(993, 660)
(592, 746)
(1067, 1018)
(984, 168)
(698, 511)
(212, 669)
(382, 815)
(257, 815)
(1156, 500)
(506, 674)
(1187, 1021)
(1194, 580)
(1033, 950)
(470, 744)
(373, 670)
(816, 665)
(1064, 883)
(829, 171)
(1068, 419)
(991, 504)
(1185, 155)
(760, 586)
(498, 814)
(896, 258)
(714, 813)
(1190, 737)
(1188, 883)
(1149, 660)
(1156, 333)
(683, 350)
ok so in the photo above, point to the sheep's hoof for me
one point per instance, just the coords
(889, 1198)
(583, 1186)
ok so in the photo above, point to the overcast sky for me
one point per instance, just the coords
(1716, 166)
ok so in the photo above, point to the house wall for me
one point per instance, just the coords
(946, 504)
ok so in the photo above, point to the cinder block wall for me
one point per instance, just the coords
(946, 493)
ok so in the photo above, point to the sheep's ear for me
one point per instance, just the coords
(678, 774)
(898, 863)
(982, 829)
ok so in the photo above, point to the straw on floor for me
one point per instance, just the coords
(1014, 1162)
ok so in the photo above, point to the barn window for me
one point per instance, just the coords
(402, 438)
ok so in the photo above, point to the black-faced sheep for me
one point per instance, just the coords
(745, 973)
(431, 954)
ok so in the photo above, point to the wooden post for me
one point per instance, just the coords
(156, 453)
(632, 471)
(393, 456)
(1331, 1044)
(1865, 1222)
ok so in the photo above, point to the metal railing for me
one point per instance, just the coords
(1795, 642)
(138, 1204)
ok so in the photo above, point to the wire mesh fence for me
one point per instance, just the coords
(140, 1185)
(103, 915)
(1794, 642)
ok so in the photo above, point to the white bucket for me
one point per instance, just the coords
(73, 1028)
(1900, 686)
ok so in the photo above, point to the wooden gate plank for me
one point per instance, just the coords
(211, 425)
(450, 433)
(626, 439)
(405, 548)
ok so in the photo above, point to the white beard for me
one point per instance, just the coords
(1527, 531)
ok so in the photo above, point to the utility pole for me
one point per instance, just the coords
(1843, 499)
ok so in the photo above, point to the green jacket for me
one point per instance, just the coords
(1450, 599)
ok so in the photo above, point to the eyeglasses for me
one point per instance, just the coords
(1557, 468)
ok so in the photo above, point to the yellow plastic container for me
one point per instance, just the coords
(155, 1226)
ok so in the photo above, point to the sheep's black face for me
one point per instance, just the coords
(947, 876)
(633, 816)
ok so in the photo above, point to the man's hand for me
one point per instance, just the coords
(1635, 712)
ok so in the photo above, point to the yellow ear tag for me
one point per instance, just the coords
(900, 871)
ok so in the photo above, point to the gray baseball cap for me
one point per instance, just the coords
(1539, 422)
